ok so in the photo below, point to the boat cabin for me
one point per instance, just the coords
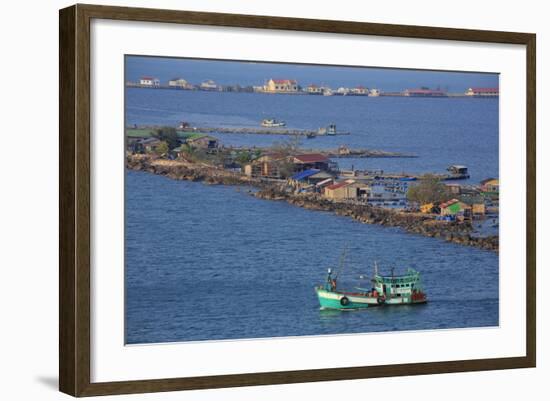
(405, 286)
(458, 169)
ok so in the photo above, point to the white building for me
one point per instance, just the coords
(314, 89)
(149, 81)
(178, 82)
(374, 92)
(360, 90)
(209, 85)
(343, 91)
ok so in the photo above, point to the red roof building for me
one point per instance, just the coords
(338, 185)
(311, 158)
(281, 86)
(284, 81)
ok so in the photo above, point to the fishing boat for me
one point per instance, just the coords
(271, 122)
(330, 130)
(390, 289)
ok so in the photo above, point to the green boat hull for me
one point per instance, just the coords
(335, 300)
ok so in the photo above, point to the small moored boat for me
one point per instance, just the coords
(271, 122)
(330, 130)
(390, 289)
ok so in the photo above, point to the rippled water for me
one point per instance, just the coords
(212, 262)
(440, 131)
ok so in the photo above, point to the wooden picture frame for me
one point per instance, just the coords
(74, 199)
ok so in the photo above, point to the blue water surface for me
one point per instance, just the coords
(439, 131)
(213, 262)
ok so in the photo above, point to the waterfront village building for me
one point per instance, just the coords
(149, 81)
(490, 185)
(267, 165)
(314, 89)
(454, 188)
(454, 207)
(482, 92)
(388, 193)
(360, 90)
(374, 92)
(312, 161)
(343, 91)
(201, 141)
(178, 83)
(146, 145)
(347, 190)
(281, 86)
(209, 85)
(478, 209)
(308, 179)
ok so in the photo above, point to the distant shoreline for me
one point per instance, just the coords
(250, 89)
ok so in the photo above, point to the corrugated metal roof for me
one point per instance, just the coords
(324, 182)
(311, 158)
(448, 203)
(304, 174)
(338, 185)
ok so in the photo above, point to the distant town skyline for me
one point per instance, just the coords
(257, 73)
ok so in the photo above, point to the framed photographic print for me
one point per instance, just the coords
(250, 200)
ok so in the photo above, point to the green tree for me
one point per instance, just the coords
(162, 148)
(189, 152)
(243, 157)
(429, 189)
(168, 135)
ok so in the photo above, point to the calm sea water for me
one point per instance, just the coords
(440, 132)
(213, 262)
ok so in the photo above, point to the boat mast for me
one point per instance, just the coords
(341, 263)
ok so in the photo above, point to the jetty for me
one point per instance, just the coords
(417, 223)
(262, 131)
(144, 131)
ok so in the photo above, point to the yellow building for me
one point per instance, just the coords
(346, 190)
(281, 86)
(426, 208)
(478, 209)
(490, 185)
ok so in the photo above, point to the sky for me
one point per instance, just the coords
(256, 73)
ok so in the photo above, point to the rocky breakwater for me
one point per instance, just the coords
(185, 170)
(459, 233)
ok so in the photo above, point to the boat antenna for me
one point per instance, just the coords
(375, 268)
(342, 261)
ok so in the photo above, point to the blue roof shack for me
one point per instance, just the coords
(303, 175)
(308, 178)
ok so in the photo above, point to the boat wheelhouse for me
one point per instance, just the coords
(404, 289)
